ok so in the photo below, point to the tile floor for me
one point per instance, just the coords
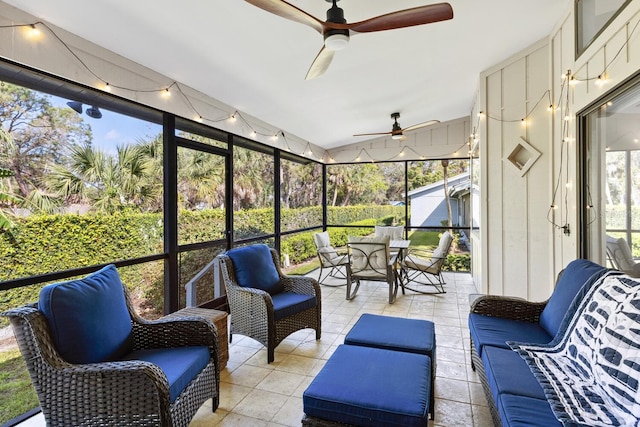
(254, 393)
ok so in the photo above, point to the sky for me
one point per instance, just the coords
(113, 129)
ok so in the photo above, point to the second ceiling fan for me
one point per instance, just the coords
(336, 31)
(397, 132)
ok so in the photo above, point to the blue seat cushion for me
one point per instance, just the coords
(286, 304)
(393, 333)
(371, 386)
(574, 276)
(180, 364)
(507, 372)
(254, 268)
(496, 331)
(523, 411)
(88, 318)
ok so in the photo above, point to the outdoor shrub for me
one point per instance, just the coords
(457, 262)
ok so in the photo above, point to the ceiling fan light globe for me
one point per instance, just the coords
(396, 136)
(336, 41)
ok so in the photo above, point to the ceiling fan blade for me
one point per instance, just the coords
(421, 125)
(289, 11)
(373, 134)
(320, 64)
(402, 18)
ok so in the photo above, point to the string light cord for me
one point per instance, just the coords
(602, 75)
(546, 94)
(164, 89)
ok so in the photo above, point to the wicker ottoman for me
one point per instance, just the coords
(399, 334)
(367, 386)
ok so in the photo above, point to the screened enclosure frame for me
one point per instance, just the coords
(37, 80)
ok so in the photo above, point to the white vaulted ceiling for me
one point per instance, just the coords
(256, 62)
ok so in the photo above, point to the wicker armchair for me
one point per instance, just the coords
(117, 392)
(268, 316)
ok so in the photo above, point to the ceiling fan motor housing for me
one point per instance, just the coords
(335, 15)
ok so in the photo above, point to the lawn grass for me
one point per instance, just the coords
(304, 268)
(424, 239)
(17, 395)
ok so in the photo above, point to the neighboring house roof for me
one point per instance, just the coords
(456, 183)
(460, 189)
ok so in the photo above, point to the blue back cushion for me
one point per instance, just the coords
(88, 318)
(255, 268)
(575, 275)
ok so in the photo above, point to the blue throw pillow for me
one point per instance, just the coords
(255, 268)
(88, 317)
(574, 276)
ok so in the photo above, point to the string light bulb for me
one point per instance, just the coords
(232, 118)
(550, 108)
(166, 93)
(34, 32)
(198, 119)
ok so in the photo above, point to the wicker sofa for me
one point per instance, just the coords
(514, 395)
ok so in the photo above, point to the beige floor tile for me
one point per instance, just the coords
(261, 405)
(281, 382)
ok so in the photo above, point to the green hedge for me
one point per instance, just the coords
(300, 247)
(40, 244)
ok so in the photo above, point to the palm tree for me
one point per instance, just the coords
(108, 183)
(6, 198)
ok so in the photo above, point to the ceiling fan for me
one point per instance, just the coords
(336, 30)
(397, 132)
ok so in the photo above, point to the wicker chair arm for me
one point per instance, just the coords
(301, 285)
(125, 384)
(508, 308)
(175, 332)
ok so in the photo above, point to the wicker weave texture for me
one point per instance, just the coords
(252, 312)
(120, 393)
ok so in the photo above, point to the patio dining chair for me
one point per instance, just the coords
(332, 262)
(420, 268)
(394, 232)
(370, 259)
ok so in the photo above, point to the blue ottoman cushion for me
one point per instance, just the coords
(393, 333)
(371, 386)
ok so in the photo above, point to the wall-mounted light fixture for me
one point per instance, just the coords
(93, 111)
